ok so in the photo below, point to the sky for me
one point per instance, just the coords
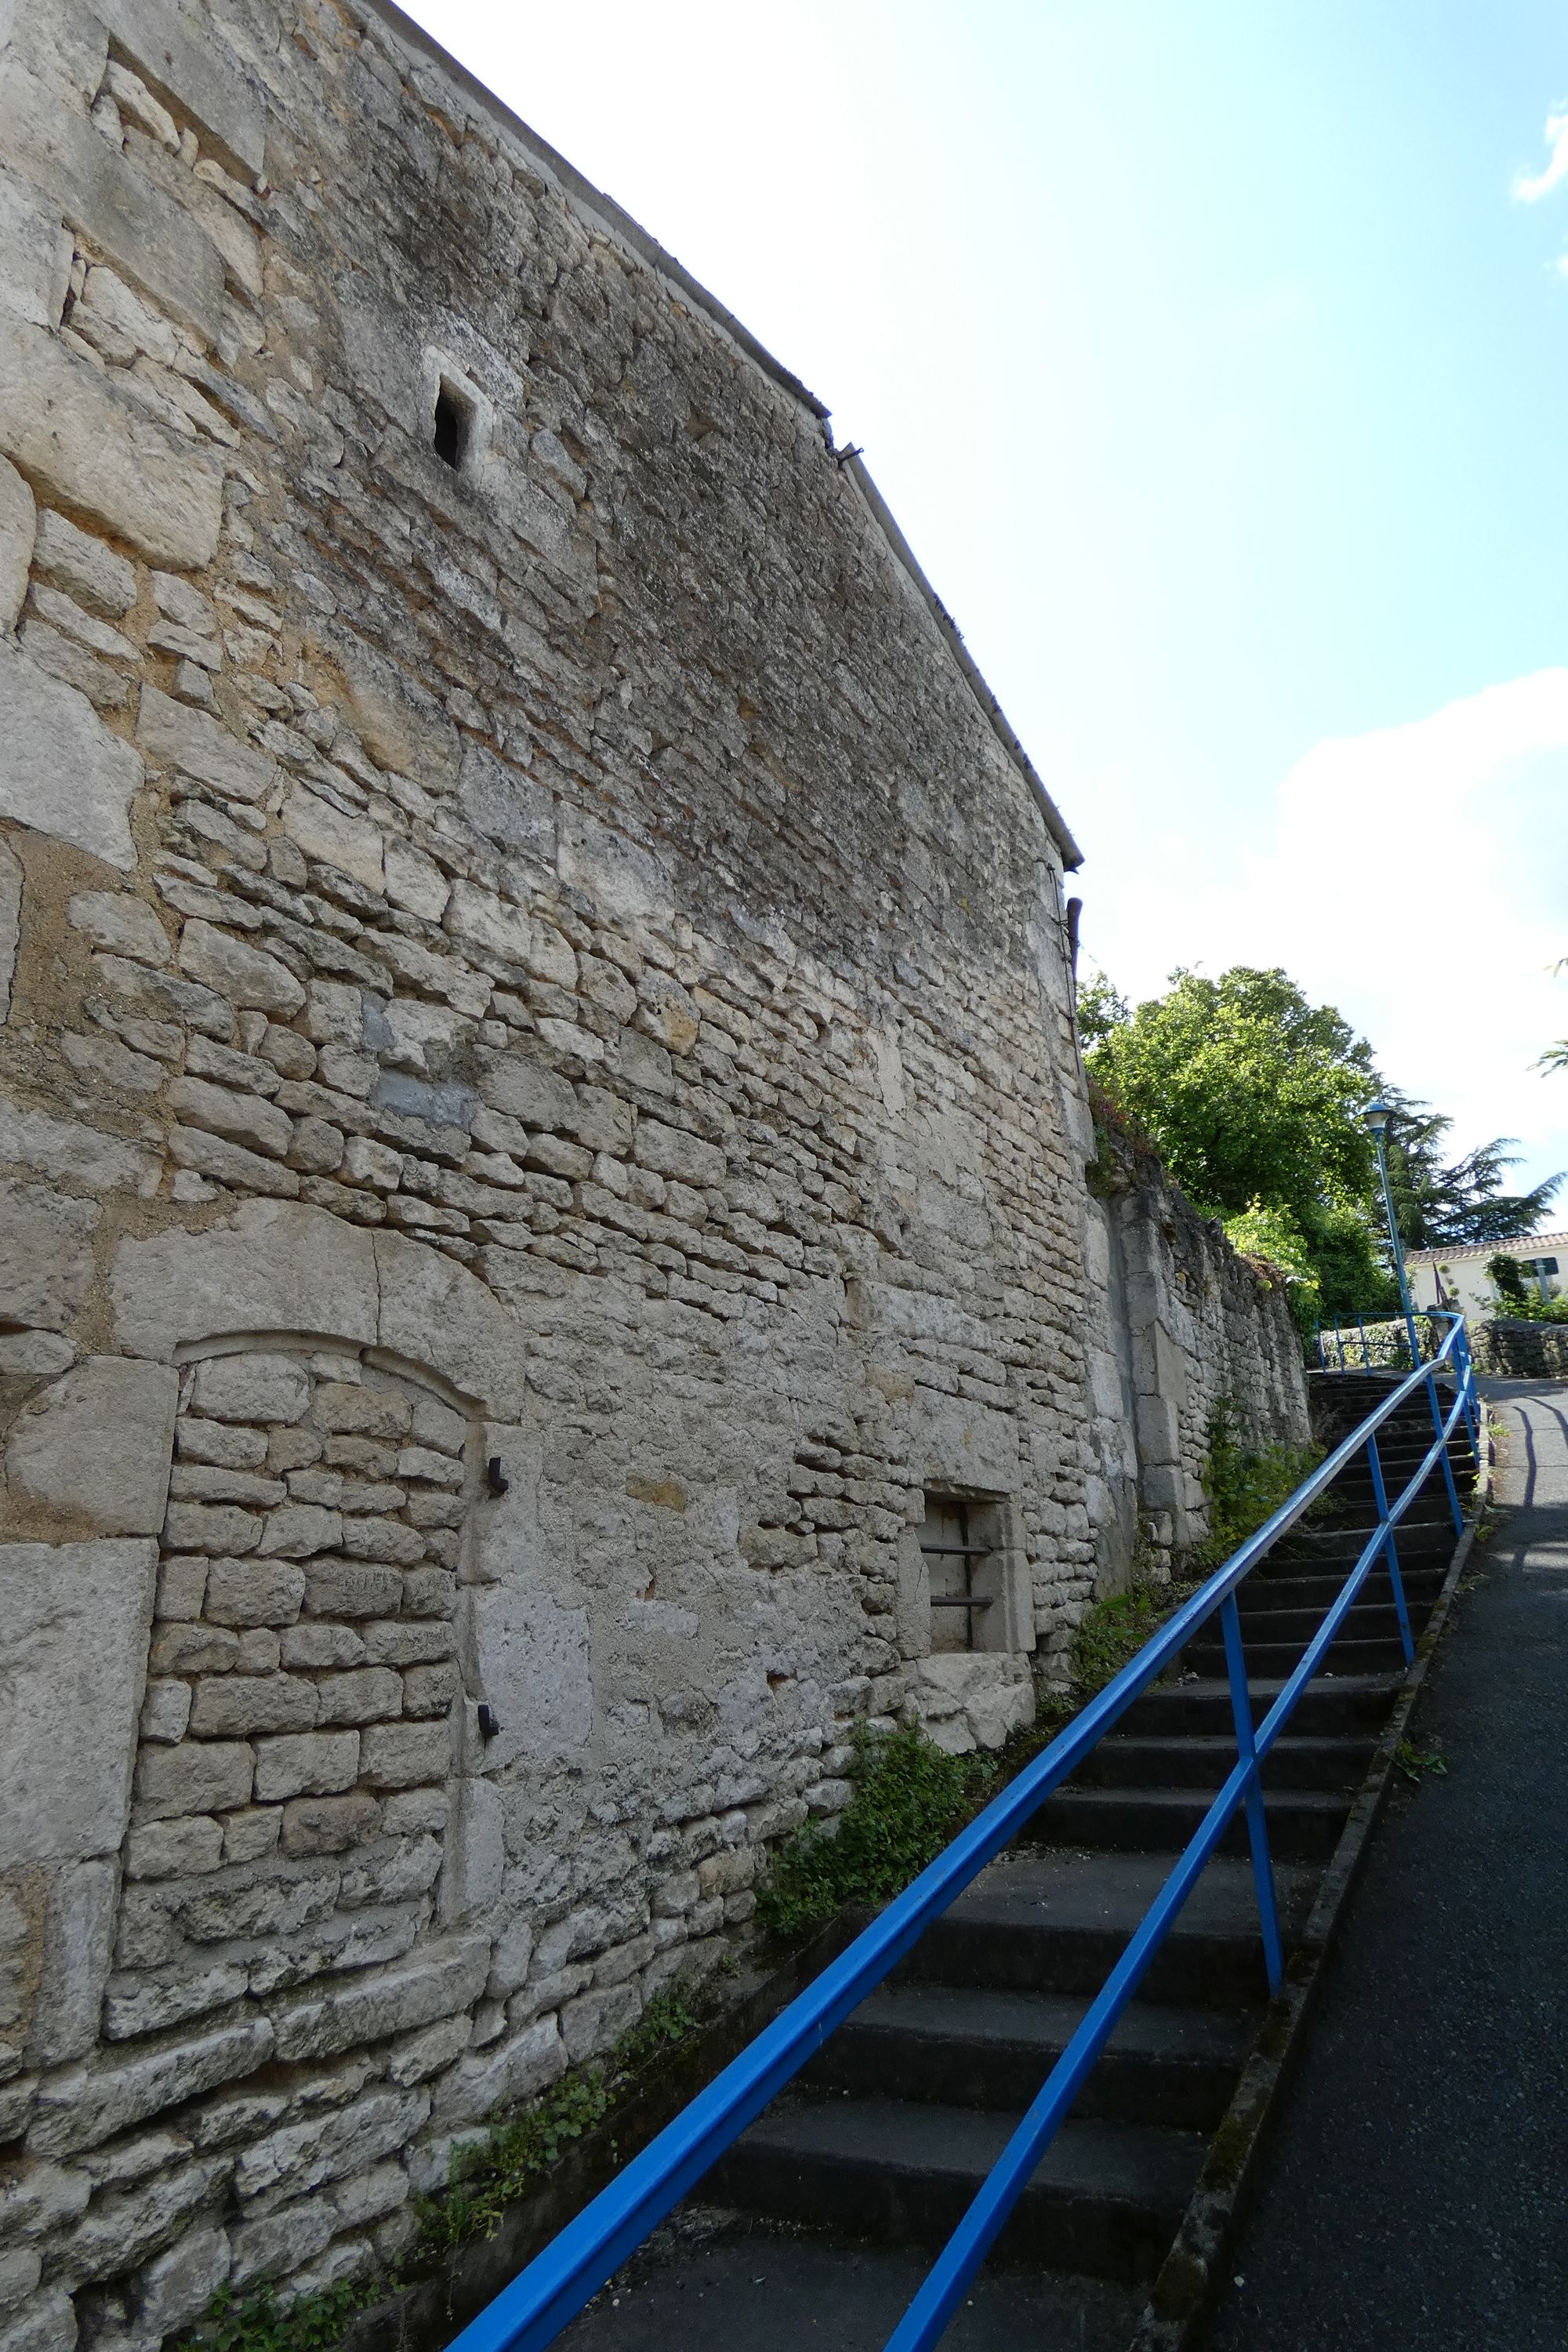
(1213, 358)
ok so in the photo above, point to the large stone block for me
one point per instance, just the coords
(435, 1313)
(535, 1667)
(77, 1619)
(120, 211)
(172, 735)
(436, 1982)
(488, 2084)
(84, 2106)
(18, 525)
(85, 446)
(97, 1441)
(400, 724)
(274, 1267)
(195, 71)
(35, 254)
(74, 1154)
(64, 774)
(46, 1254)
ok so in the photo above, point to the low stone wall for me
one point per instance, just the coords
(1521, 1351)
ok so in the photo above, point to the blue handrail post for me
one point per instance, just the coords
(1454, 1504)
(1256, 1819)
(1391, 1549)
(1365, 1342)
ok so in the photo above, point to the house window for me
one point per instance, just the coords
(955, 1557)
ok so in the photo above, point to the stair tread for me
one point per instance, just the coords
(1146, 2165)
(977, 2015)
(1047, 1887)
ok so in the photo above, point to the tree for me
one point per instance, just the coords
(1463, 1201)
(1503, 1274)
(1556, 1056)
(1100, 1009)
(1248, 1093)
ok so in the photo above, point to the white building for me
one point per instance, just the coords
(1456, 1275)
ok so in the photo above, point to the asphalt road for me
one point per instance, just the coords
(1415, 2196)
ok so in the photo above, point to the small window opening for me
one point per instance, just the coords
(951, 1556)
(454, 421)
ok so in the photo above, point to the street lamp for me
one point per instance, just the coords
(1375, 1119)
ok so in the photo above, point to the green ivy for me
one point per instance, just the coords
(1112, 1632)
(909, 1797)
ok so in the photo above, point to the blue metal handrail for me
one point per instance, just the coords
(533, 2310)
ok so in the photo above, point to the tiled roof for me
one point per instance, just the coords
(1527, 1245)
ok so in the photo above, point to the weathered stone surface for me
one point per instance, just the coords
(17, 526)
(209, 1777)
(273, 1268)
(46, 1254)
(260, 1387)
(350, 844)
(444, 1978)
(80, 2109)
(83, 446)
(491, 2083)
(435, 1312)
(10, 927)
(77, 1617)
(124, 213)
(35, 253)
(309, 1763)
(172, 735)
(64, 772)
(97, 1443)
(197, 73)
(179, 2285)
(116, 921)
(88, 570)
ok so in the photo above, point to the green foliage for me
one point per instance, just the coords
(1436, 1203)
(486, 2177)
(1419, 1763)
(1245, 1485)
(1113, 1632)
(1252, 1097)
(1503, 1274)
(909, 1797)
(1100, 1009)
(1273, 1235)
(1248, 1091)
(307, 2323)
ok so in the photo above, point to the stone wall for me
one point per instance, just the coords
(539, 1125)
(1191, 1324)
(1520, 1352)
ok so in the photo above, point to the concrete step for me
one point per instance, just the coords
(709, 2281)
(1346, 1656)
(1040, 1919)
(1105, 2199)
(1304, 1824)
(1329, 1706)
(1371, 1620)
(1203, 1762)
(968, 2046)
(1319, 1592)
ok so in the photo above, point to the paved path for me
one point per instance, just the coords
(1416, 2198)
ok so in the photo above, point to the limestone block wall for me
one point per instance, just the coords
(1191, 1323)
(1529, 1351)
(539, 1125)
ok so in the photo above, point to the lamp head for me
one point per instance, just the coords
(1375, 1118)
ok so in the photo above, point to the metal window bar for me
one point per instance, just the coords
(538, 2304)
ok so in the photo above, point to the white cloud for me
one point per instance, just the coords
(1417, 878)
(1529, 189)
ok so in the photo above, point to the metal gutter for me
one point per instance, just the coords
(595, 204)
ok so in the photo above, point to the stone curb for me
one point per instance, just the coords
(1193, 2268)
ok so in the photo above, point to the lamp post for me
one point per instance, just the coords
(1375, 1119)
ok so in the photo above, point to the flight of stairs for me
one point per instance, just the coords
(885, 2138)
